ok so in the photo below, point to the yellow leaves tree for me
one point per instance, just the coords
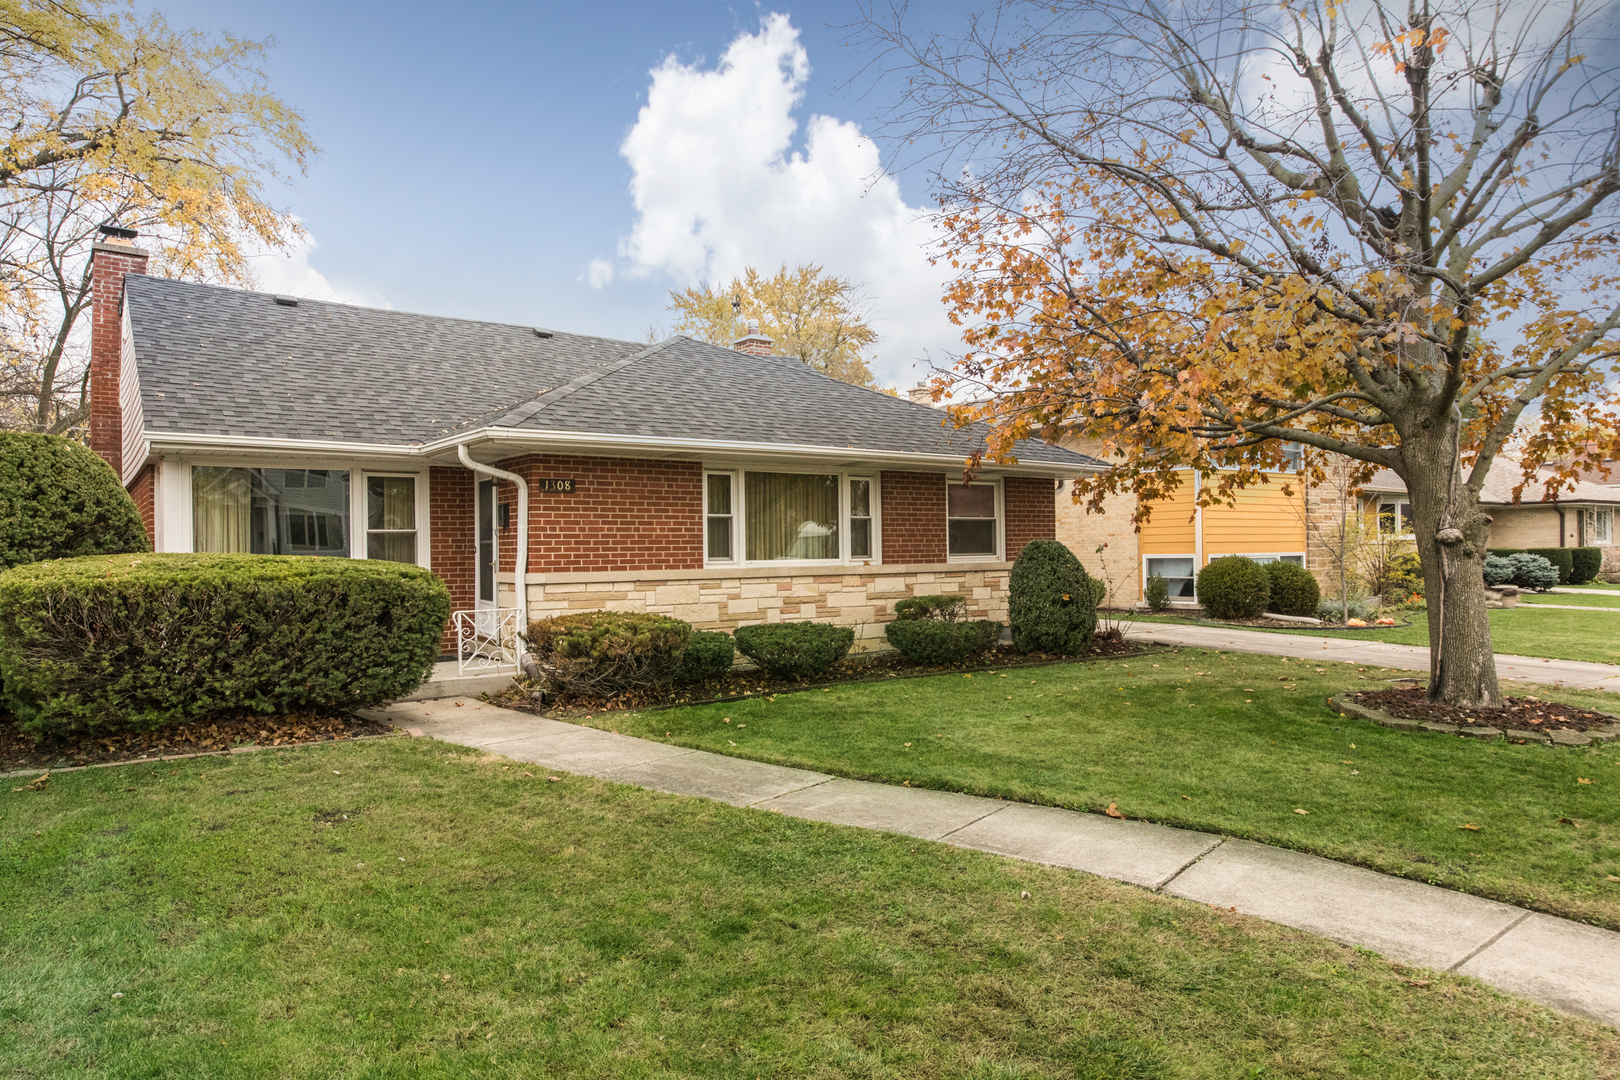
(1195, 233)
(113, 117)
(810, 314)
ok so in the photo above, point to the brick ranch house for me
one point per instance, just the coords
(717, 485)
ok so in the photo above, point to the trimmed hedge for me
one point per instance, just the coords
(1587, 562)
(1050, 600)
(934, 641)
(1294, 590)
(708, 655)
(1234, 587)
(58, 500)
(948, 608)
(1562, 558)
(795, 650)
(119, 642)
(602, 653)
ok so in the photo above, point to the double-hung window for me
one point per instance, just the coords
(391, 518)
(1394, 518)
(1177, 571)
(755, 517)
(1599, 526)
(972, 521)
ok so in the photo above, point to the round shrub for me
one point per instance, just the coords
(1533, 571)
(1293, 588)
(948, 608)
(795, 650)
(934, 641)
(1050, 601)
(1497, 571)
(1586, 563)
(59, 500)
(602, 653)
(120, 642)
(1333, 610)
(1157, 593)
(708, 655)
(1234, 587)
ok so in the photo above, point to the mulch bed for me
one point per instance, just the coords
(19, 750)
(754, 683)
(1521, 713)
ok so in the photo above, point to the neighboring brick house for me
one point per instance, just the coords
(721, 486)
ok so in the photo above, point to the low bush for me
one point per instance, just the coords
(947, 608)
(795, 650)
(1157, 593)
(1562, 558)
(1587, 562)
(58, 500)
(1498, 571)
(1234, 587)
(602, 653)
(1332, 610)
(1051, 601)
(708, 655)
(1293, 588)
(1533, 571)
(935, 641)
(121, 642)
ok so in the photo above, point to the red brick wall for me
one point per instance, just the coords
(1031, 511)
(623, 514)
(913, 517)
(143, 489)
(454, 556)
(109, 264)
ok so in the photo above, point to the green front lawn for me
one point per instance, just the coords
(1561, 635)
(1577, 599)
(1230, 743)
(408, 909)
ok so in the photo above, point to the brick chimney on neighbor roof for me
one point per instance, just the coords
(112, 257)
(754, 343)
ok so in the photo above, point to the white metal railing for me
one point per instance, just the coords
(486, 641)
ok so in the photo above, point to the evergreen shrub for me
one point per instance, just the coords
(946, 608)
(1157, 593)
(1293, 589)
(1533, 571)
(1050, 600)
(58, 500)
(602, 653)
(122, 642)
(1234, 587)
(1587, 561)
(935, 641)
(1498, 571)
(708, 655)
(795, 650)
(1562, 558)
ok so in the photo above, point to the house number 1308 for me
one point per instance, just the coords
(565, 486)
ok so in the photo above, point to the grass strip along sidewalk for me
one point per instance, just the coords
(402, 908)
(1228, 743)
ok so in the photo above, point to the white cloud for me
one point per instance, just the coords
(718, 187)
(291, 273)
(599, 274)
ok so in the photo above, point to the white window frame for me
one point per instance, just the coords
(1591, 514)
(1403, 525)
(1296, 448)
(1268, 557)
(172, 502)
(363, 543)
(1190, 556)
(1000, 526)
(739, 516)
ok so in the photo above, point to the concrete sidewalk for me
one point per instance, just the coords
(1565, 965)
(1576, 674)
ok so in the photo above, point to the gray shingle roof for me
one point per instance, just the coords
(219, 361)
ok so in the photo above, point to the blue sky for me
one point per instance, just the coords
(474, 159)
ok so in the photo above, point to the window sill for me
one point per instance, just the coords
(755, 573)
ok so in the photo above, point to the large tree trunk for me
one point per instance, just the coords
(1462, 668)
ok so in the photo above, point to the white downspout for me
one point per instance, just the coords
(522, 565)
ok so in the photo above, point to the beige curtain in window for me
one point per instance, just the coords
(391, 518)
(791, 516)
(220, 501)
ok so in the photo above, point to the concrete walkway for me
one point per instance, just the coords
(1530, 605)
(1576, 674)
(1562, 964)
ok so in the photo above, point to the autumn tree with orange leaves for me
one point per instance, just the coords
(1195, 233)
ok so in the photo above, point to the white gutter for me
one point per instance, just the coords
(522, 567)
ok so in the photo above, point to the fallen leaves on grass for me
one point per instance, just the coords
(1470, 826)
(1113, 811)
(1570, 822)
(1582, 780)
(36, 784)
(1297, 810)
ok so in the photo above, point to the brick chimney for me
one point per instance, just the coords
(754, 343)
(113, 256)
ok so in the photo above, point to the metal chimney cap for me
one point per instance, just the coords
(119, 232)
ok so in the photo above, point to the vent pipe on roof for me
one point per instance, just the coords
(521, 567)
